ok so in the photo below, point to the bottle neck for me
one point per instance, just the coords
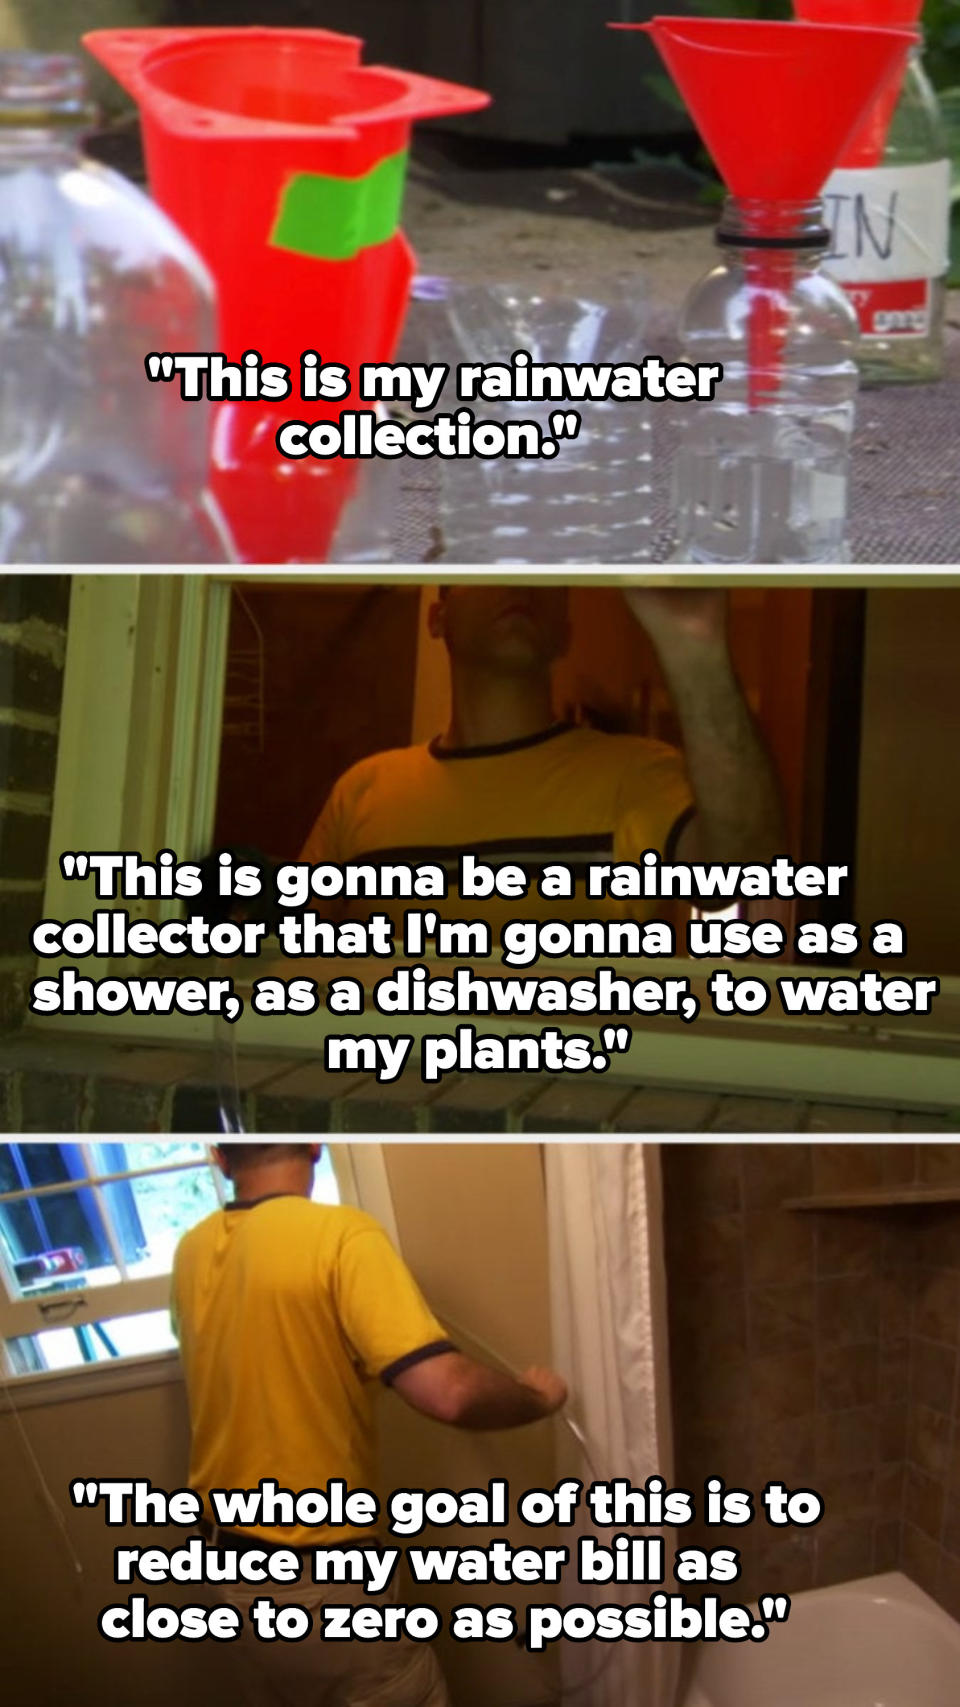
(790, 227)
(44, 101)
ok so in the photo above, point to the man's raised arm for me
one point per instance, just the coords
(739, 815)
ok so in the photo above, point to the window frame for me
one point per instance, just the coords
(137, 770)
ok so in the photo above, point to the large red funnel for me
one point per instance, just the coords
(866, 147)
(283, 159)
(776, 103)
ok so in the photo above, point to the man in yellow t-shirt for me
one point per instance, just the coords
(511, 784)
(289, 1315)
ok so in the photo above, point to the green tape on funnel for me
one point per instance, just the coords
(332, 219)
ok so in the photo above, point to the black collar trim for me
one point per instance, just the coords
(253, 1202)
(440, 752)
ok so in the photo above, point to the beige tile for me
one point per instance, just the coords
(932, 1371)
(718, 1317)
(847, 1376)
(841, 1167)
(937, 1306)
(787, 1561)
(782, 1386)
(848, 1244)
(923, 1502)
(848, 1440)
(899, 1163)
(886, 1545)
(939, 1241)
(894, 1369)
(951, 1525)
(707, 1177)
(848, 1309)
(844, 1548)
(920, 1558)
(779, 1247)
(784, 1450)
(708, 1252)
(938, 1164)
(772, 1172)
(928, 1441)
(948, 1585)
(781, 1319)
(891, 1433)
(895, 1292)
(888, 1492)
(847, 1493)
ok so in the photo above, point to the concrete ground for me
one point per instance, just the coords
(490, 222)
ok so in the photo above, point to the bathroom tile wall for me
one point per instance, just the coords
(930, 1548)
(820, 1348)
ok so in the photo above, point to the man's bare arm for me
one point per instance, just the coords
(739, 815)
(457, 1390)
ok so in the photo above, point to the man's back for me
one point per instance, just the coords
(287, 1312)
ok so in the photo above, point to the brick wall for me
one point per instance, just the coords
(820, 1348)
(33, 635)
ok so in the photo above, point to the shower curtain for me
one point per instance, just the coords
(608, 1303)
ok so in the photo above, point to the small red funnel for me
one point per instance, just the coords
(283, 160)
(776, 103)
(868, 144)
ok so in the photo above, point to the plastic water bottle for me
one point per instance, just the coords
(591, 502)
(97, 465)
(890, 236)
(761, 471)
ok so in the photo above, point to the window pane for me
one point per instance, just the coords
(145, 1153)
(58, 1242)
(97, 1342)
(325, 1187)
(149, 1214)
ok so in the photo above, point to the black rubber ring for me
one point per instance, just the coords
(807, 240)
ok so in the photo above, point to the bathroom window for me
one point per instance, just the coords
(87, 1236)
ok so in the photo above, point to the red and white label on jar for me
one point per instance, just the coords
(889, 240)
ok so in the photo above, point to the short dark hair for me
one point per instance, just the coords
(237, 1157)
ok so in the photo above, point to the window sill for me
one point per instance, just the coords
(93, 1381)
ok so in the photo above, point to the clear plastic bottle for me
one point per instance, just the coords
(890, 240)
(591, 503)
(97, 465)
(760, 474)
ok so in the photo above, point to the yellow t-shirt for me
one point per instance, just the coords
(567, 796)
(287, 1312)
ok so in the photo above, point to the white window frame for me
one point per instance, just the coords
(137, 770)
(362, 1181)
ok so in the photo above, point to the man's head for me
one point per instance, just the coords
(256, 1170)
(506, 630)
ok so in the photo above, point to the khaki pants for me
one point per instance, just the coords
(315, 1673)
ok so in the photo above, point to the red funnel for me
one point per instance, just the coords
(776, 103)
(283, 159)
(868, 144)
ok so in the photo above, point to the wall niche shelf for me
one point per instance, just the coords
(878, 1197)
